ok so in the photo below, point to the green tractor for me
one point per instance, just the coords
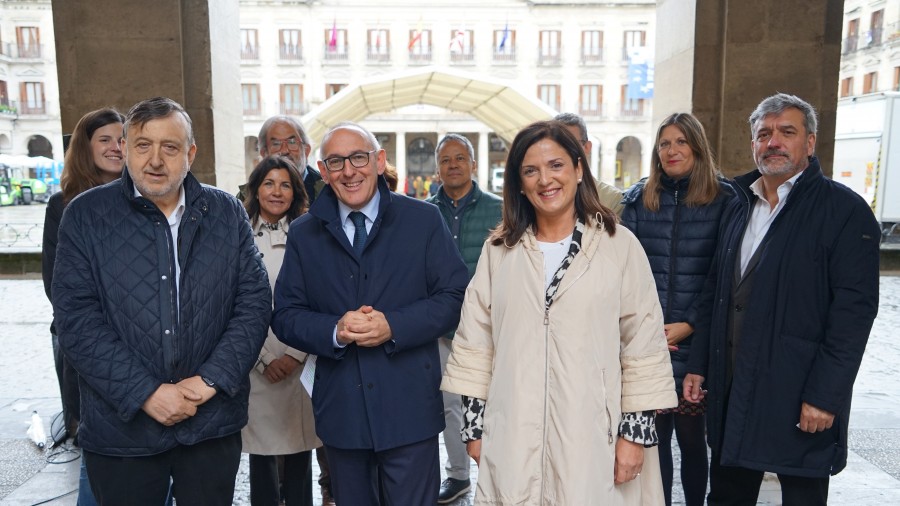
(21, 191)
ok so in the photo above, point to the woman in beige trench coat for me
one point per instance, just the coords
(281, 419)
(560, 353)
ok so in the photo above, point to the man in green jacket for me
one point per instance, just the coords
(470, 214)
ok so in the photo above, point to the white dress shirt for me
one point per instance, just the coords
(761, 217)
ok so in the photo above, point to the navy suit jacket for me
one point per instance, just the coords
(387, 396)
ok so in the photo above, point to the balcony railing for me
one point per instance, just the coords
(420, 58)
(378, 55)
(293, 108)
(31, 107)
(505, 55)
(550, 59)
(250, 53)
(592, 111)
(21, 51)
(592, 56)
(851, 44)
(291, 54)
(336, 55)
(463, 58)
(639, 111)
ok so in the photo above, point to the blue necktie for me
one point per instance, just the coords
(359, 237)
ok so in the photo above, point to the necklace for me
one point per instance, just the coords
(271, 226)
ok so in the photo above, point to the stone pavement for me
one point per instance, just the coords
(29, 476)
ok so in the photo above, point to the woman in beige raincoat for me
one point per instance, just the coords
(281, 416)
(560, 353)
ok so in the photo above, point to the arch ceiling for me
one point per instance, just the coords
(493, 102)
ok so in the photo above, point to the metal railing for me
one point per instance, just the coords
(377, 55)
(592, 112)
(463, 58)
(293, 108)
(250, 53)
(21, 235)
(851, 44)
(419, 58)
(336, 55)
(290, 54)
(592, 56)
(21, 51)
(551, 59)
(506, 55)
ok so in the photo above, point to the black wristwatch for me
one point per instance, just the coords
(210, 383)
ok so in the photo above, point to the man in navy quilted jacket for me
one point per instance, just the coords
(163, 305)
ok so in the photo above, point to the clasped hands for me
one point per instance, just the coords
(172, 403)
(365, 327)
(812, 419)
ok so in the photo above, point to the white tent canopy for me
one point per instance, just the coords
(493, 102)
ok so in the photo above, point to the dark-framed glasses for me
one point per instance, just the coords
(292, 144)
(358, 160)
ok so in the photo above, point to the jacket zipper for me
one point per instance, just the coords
(172, 296)
(673, 250)
(546, 389)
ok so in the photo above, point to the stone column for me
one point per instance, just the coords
(118, 52)
(484, 160)
(401, 160)
(720, 58)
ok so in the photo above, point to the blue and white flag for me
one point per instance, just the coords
(640, 74)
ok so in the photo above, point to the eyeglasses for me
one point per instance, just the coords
(292, 144)
(358, 160)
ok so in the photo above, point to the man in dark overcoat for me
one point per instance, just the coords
(370, 280)
(787, 312)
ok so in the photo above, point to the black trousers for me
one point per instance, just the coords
(201, 474)
(297, 482)
(739, 486)
(68, 388)
(398, 477)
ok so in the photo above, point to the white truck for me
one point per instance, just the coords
(867, 153)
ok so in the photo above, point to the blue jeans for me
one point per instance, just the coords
(85, 495)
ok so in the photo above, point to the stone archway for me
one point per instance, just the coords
(38, 145)
(628, 162)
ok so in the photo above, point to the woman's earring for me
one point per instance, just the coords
(579, 181)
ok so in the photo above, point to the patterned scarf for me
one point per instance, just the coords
(574, 248)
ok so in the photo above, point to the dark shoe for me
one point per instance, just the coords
(452, 489)
(327, 500)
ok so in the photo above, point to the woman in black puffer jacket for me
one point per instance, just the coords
(675, 214)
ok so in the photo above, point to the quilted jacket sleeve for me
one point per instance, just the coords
(238, 348)
(101, 358)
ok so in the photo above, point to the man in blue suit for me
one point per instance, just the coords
(370, 281)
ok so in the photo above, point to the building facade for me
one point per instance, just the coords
(573, 56)
(870, 52)
(29, 90)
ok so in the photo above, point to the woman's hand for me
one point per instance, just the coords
(629, 460)
(280, 368)
(677, 332)
(473, 448)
